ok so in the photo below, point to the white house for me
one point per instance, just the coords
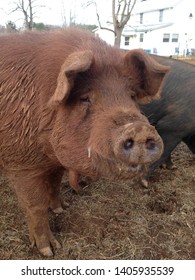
(165, 27)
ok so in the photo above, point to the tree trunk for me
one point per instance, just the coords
(30, 16)
(118, 34)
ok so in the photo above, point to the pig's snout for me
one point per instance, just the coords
(150, 144)
(138, 144)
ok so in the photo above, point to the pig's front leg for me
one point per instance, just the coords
(33, 193)
(168, 164)
(56, 203)
(73, 177)
(39, 231)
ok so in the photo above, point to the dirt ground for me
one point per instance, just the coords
(114, 220)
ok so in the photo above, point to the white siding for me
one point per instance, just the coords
(175, 21)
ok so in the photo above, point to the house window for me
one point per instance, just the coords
(166, 37)
(161, 15)
(141, 37)
(141, 18)
(175, 37)
(127, 39)
(176, 50)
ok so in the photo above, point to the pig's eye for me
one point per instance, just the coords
(133, 95)
(85, 99)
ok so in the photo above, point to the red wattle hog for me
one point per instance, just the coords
(69, 101)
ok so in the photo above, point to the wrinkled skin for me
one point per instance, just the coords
(173, 113)
(69, 101)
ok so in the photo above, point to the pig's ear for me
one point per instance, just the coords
(74, 63)
(147, 74)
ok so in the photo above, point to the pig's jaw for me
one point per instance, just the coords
(112, 168)
(134, 168)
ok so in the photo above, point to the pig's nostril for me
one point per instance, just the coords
(128, 144)
(150, 144)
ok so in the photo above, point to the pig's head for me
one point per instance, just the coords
(98, 128)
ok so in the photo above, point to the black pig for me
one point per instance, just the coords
(173, 114)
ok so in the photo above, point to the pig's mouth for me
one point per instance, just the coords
(115, 168)
(133, 168)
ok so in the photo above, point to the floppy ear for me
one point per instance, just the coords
(147, 74)
(74, 63)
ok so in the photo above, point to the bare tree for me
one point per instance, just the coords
(29, 9)
(121, 13)
(68, 17)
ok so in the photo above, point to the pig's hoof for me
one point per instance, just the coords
(57, 245)
(77, 190)
(58, 210)
(164, 165)
(45, 244)
(47, 252)
(64, 204)
(171, 167)
(80, 191)
(144, 183)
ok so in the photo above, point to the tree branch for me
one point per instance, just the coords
(99, 22)
(28, 9)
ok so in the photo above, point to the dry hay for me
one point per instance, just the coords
(115, 220)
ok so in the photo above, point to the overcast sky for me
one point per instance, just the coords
(54, 11)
